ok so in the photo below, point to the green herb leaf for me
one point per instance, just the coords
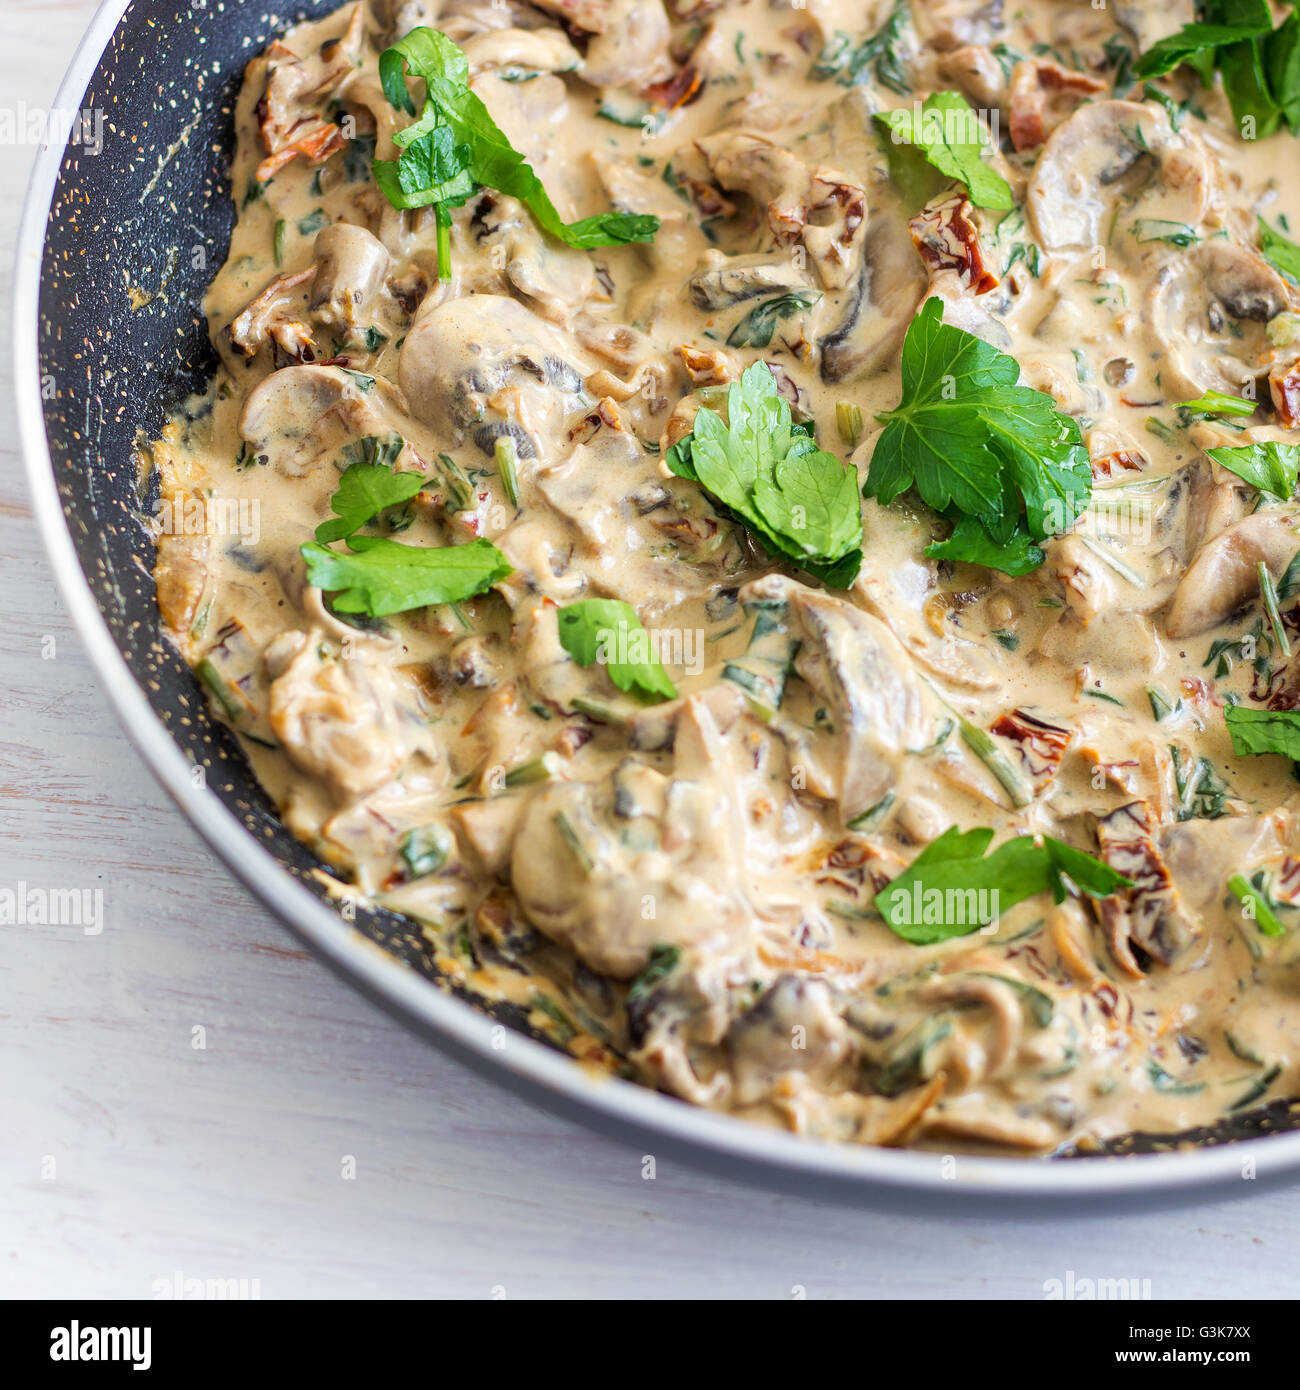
(608, 631)
(1255, 905)
(979, 448)
(664, 959)
(386, 577)
(757, 327)
(878, 55)
(801, 502)
(1282, 253)
(1218, 403)
(952, 138)
(364, 490)
(456, 147)
(971, 544)
(1259, 65)
(1270, 467)
(938, 896)
(1248, 19)
(1255, 731)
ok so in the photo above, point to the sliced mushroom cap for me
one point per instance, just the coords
(745, 161)
(1086, 165)
(557, 280)
(878, 306)
(299, 415)
(1208, 311)
(533, 50)
(350, 267)
(632, 48)
(353, 723)
(484, 359)
(274, 319)
(1225, 572)
(723, 281)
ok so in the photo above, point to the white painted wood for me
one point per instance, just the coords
(227, 1162)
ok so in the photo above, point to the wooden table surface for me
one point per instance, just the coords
(128, 1156)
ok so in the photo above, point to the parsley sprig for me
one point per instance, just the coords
(455, 148)
(768, 473)
(1260, 65)
(381, 577)
(995, 457)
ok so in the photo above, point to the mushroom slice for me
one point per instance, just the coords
(725, 281)
(269, 321)
(879, 707)
(1208, 312)
(879, 305)
(351, 723)
(487, 363)
(744, 161)
(529, 50)
(587, 16)
(1113, 148)
(350, 267)
(1150, 915)
(299, 415)
(631, 48)
(1225, 572)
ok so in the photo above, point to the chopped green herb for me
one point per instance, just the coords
(364, 490)
(757, 327)
(455, 147)
(1270, 467)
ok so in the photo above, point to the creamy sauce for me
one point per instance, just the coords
(674, 889)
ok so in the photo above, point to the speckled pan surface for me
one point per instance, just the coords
(115, 252)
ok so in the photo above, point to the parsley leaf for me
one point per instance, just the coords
(386, 577)
(1195, 43)
(996, 457)
(1256, 731)
(952, 138)
(971, 544)
(928, 901)
(364, 490)
(801, 502)
(608, 631)
(1260, 65)
(1281, 252)
(455, 148)
(1270, 467)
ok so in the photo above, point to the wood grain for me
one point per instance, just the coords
(228, 1161)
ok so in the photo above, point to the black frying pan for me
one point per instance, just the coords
(152, 211)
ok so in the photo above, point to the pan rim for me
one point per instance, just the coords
(753, 1153)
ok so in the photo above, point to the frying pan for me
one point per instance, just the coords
(115, 251)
